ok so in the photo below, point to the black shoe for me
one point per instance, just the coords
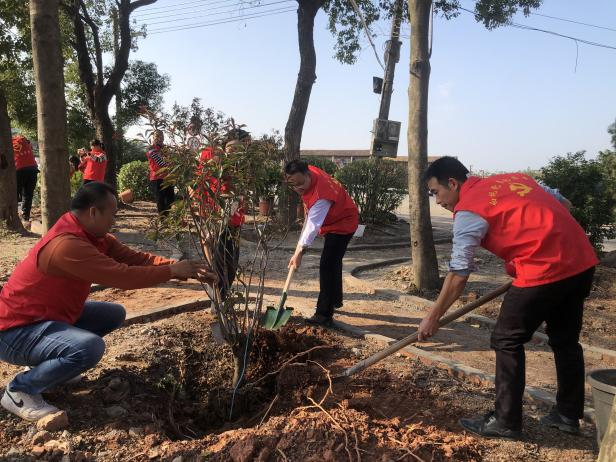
(555, 419)
(489, 427)
(337, 305)
(320, 320)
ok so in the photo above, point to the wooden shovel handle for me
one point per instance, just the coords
(288, 281)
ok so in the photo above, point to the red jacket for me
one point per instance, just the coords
(94, 166)
(239, 216)
(528, 228)
(22, 153)
(343, 216)
(30, 296)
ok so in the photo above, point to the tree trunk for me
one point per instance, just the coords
(51, 109)
(306, 12)
(8, 182)
(608, 445)
(425, 266)
(241, 356)
(104, 132)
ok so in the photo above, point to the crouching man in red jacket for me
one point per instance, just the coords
(46, 322)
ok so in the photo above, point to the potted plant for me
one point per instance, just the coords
(268, 187)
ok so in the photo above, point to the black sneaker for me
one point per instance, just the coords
(555, 419)
(489, 427)
(320, 320)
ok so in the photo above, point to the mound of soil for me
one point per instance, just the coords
(162, 392)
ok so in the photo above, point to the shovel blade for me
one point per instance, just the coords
(282, 318)
(269, 318)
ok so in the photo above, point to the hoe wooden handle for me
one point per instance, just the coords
(391, 349)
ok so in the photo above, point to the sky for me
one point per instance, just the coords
(500, 100)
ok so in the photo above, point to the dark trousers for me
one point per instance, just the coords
(26, 184)
(330, 273)
(164, 196)
(560, 305)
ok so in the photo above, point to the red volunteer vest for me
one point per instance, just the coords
(343, 216)
(95, 171)
(239, 216)
(154, 167)
(30, 296)
(534, 233)
(22, 153)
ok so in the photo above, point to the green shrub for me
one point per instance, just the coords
(377, 187)
(324, 164)
(586, 184)
(135, 176)
(76, 182)
(133, 150)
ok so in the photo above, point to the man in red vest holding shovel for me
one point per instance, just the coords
(552, 262)
(46, 322)
(332, 213)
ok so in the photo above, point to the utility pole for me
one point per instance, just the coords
(385, 132)
(119, 129)
(392, 56)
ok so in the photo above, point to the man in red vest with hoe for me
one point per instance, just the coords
(332, 213)
(552, 262)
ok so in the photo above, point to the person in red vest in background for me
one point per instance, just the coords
(227, 255)
(46, 321)
(27, 172)
(552, 262)
(164, 195)
(94, 163)
(332, 213)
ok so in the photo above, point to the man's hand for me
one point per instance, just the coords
(427, 328)
(196, 269)
(296, 260)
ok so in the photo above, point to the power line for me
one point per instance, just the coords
(367, 31)
(148, 15)
(574, 22)
(214, 23)
(170, 7)
(188, 13)
(545, 31)
(232, 10)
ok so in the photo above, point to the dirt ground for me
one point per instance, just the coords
(171, 380)
(599, 311)
(161, 392)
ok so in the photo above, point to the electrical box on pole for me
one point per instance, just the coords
(385, 137)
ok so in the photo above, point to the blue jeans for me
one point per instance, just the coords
(57, 351)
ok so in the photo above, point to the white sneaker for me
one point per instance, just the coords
(28, 407)
(75, 380)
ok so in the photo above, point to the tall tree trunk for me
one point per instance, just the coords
(104, 132)
(8, 182)
(425, 266)
(306, 12)
(51, 109)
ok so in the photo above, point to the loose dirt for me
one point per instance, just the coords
(153, 397)
(172, 382)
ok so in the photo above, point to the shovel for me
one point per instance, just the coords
(276, 317)
(391, 349)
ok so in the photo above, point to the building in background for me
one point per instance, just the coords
(341, 157)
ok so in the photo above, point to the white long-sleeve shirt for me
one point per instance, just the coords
(314, 221)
